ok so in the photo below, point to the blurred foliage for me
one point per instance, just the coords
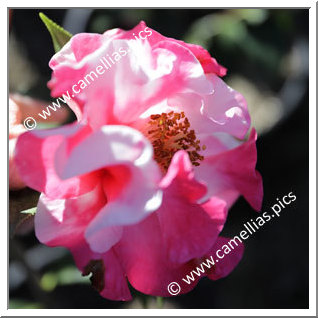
(64, 276)
(23, 304)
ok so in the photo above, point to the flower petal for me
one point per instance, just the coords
(140, 75)
(131, 178)
(228, 108)
(35, 154)
(233, 171)
(225, 110)
(145, 261)
(62, 222)
(229, 261)
(209, 64)
(114, 285)
(142, 79)
(189, 229)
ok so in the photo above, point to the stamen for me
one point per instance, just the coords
(170, 132)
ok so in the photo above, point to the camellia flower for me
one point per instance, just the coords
(139, 188)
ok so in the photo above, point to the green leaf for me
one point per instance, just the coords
(23, 304)
(31, 211)
(59, 36)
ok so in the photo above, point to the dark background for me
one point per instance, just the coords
(266, 53)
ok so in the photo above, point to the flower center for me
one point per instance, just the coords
(170, 132)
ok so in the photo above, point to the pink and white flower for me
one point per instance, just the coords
(139, 188)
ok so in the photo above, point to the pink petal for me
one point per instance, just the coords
(189, 229)
(234, 171)
(225, 110)
(83, 44)
(62, 222)
(115, 285)
(127, 92)
(63, 80)
(143, 76)
(228, 108)
(130, 179)
(218, 262)
(35, 160)
(109, 146)
(65, 76)
(229, 261)
(145, 261)
(208, 63)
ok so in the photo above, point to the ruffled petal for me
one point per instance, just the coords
(145, 260)
(135, 75)
(223, 111)
(130, 180)
(227, 108)
(108, 276)
(232, 173)
(35, 155)
(69, 80)
(188, 229)
(209, 64)
(62, 222)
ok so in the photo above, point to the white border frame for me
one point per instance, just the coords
(312, 165)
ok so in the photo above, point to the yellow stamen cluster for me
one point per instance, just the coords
(171, 132)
